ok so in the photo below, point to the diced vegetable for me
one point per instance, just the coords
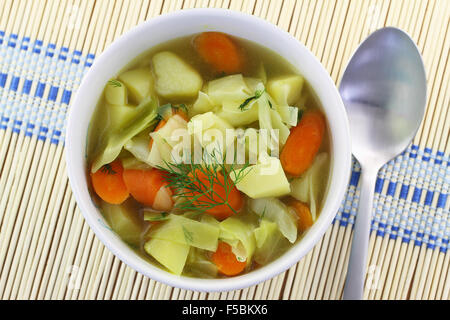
(310, 186)
(220, 51)
(208, 121)
(160, 152)
(286, 90)
(264, 231)
(231, 113)
(138, 147)
(187, 231)
(239, 235)
(263, 180)
(304, 214)
(206, 218)
(167, 131)
(155, 216)
(269, 242)
(139, 83)
(289, 115)
(199, 265)
(278, 124)
(171, 255)
(230, 88)
(108, 183)
(125, 221)
(276, 211)
(149, 188)
(175, 79)
(303, 144)
(120, 115)
(269, 119)
(116, 139)
(133, 163)
(202, 104)
(226, 261)
(203, 128)
(116, 93)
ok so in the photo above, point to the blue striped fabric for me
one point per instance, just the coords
(37, 82)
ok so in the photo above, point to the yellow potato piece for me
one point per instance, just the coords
(175, 79)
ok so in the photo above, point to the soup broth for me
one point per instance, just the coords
(214, 218)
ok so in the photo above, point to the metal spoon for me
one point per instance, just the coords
(384, 92)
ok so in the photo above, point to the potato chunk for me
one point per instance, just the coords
(175, 79)
(139, 83)
(286, 90)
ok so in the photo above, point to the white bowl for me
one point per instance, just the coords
(175, 25)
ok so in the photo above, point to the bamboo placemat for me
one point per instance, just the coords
(47, 251)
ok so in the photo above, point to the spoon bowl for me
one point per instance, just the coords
(384, 91)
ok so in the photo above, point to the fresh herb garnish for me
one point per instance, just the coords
(188, 235)
(153, 216)
(164, 109)
(107, 169)
(270, 104)
(195, 192)
(262, 215)
(115, 83)
(181, 106)
(258, 94)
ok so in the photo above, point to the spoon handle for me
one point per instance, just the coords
(354, 285)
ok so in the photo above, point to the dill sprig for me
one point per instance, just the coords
(258, 94)
(194, 183)
(114, 83)
(107, 168)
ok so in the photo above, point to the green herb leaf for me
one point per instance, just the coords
(258, 94)
(114, 83)
(262, 215)
(153, 216)
(107, 169)
(194, 184)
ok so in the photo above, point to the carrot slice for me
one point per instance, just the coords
(219, 51)
(303, 143)
(108, 183)
(149, 187)
(304, 214)
(234, 201)
(181, 113)
(226, 261)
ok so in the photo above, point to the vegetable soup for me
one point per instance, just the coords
(209, 155)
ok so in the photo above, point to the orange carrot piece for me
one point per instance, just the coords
(304, 214)
(303, 143)
(144, 186)
(222, 211)
(181, 113)
(108, 183)
(219, 51)
(226, 261)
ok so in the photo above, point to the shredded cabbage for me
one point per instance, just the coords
(276, 211)
(309, 187)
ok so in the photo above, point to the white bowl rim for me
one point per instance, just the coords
(340, 167)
